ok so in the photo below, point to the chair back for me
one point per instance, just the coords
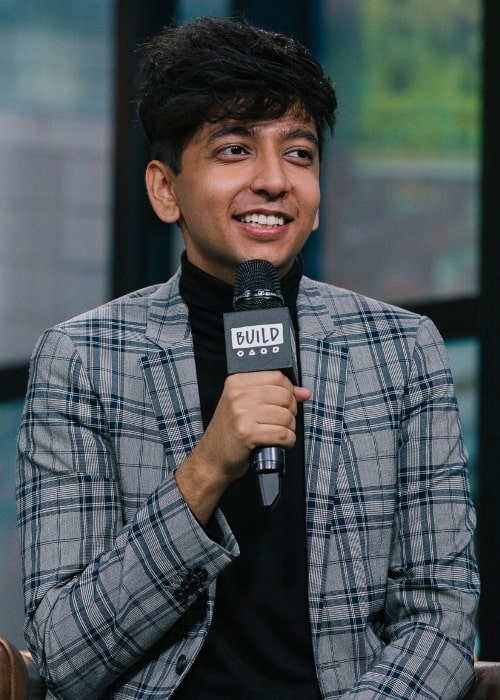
(487, 686)
(14, 683)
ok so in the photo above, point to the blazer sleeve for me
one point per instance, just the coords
(99, 592)
(433, 584)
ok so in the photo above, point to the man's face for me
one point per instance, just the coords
(245, 191)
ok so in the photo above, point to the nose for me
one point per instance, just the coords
(270, 177)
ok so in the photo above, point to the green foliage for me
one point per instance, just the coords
(421, 77)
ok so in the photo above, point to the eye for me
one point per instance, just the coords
(233, 149)
(301, 154)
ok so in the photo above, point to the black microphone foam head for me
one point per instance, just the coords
(257, 286)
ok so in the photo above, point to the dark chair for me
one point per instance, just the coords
(487, 686)
(19, 679)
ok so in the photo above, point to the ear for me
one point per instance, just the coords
(316, 221)
(159, 184)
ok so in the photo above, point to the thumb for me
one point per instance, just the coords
(301, 393)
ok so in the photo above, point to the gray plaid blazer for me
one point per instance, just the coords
(120, 578)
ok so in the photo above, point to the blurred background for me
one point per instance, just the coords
(410, 210)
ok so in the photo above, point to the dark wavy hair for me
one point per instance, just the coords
(212, 68)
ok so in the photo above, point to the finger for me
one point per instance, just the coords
(264, 378)
(301, 393)
(276, 416)
(274, 435)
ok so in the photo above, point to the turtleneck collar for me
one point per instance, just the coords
(206, 294)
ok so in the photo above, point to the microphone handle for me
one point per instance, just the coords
(269, 465)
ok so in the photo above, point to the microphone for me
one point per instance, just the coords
(259, 336)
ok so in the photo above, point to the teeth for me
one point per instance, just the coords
(263, 220)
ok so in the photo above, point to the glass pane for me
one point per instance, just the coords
(399, 216)
(464, 362)
(55, 148)
(11, 601)
(189, 9)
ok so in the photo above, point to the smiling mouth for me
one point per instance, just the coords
(271, 221)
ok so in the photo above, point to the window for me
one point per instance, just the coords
(55, 187)
(55, 160)
(401, 193)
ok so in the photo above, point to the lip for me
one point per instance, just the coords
(252, 234)
(265, 212)
(260, 232)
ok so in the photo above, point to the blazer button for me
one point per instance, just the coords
(200, 574)
(181, 664)
(181, 595)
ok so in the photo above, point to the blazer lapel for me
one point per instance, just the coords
(324, 359)
(170, 374)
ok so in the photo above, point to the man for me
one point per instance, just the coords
(151, 567)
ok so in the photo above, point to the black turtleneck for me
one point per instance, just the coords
(259, 644)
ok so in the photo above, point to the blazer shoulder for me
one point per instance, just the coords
(131, 309)
(118, 324)
(347, 308)
(374, 333)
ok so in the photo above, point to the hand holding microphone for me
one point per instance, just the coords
(255, 408)
(260, 337)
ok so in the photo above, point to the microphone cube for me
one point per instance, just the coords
(260, 339)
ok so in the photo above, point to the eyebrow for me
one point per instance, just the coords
(250, 131)
(300, 133)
